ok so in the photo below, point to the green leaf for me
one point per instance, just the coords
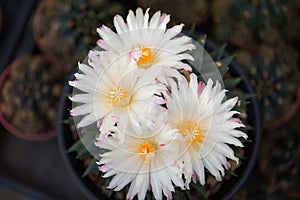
(239, 156)
(226, 61)
(242, 96)
(149, 195)
(245, 140)
(223, 71)
(77, 146)
(229, 171)
(83, 154)
(187, 193)
(246, 128)
(202, 40)
(111, 192)
(218, 53)
(192, 30)
(199, 187)
(247, 96)
(232, 83)
(68, 94)
(68, 121)
(179, 195)
(93, 167)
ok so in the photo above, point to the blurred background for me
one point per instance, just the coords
(42, 41)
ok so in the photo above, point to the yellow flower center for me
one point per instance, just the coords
(146, 151)
(119, 97)
(191, 131)
(146, 58)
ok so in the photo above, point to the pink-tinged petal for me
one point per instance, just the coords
(153, 126)
(195, 177)
(165, 110)
(237, 120)
(133, 55)
(175, 163)
(72, 112)
(158, 100)
(162, 145)
(201, 87)
(187, 67)
(104, 168)
(178, 136)
(115, 117)
(102, 138)
(227, 165)
(103, 44)
(105, 32)
(169, 194)
(150, 187)
(99, 123)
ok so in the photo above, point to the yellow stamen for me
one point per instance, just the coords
(146, 58)
(119, 97)
(146, 151)
(191, 131)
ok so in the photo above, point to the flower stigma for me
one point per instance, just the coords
(146, 152)
(191, 132)
(146, 58)
(120, 97)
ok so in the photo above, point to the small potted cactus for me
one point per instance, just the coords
(264, 34)
(62, 28)
(81, 155)
(30, 89)
(279, 161)
(248, 23)
(188, 11)
(274, 72)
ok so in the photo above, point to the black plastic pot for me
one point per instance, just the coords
(65, 141)
(229, 187)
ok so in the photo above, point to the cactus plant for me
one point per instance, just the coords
(197, 190)
(280, 160)
(63, 28)
(274, 74)
(189, 11)
(30, 93)
(245, 22)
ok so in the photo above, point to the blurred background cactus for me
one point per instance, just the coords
(30, 94)
(66, 29)
(264, 33)
(249, 22)
(274, 74)
(280, 161)
(188, 12)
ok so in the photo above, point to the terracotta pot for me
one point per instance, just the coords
(7, 124)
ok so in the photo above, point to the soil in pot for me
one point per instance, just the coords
(30, 90)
